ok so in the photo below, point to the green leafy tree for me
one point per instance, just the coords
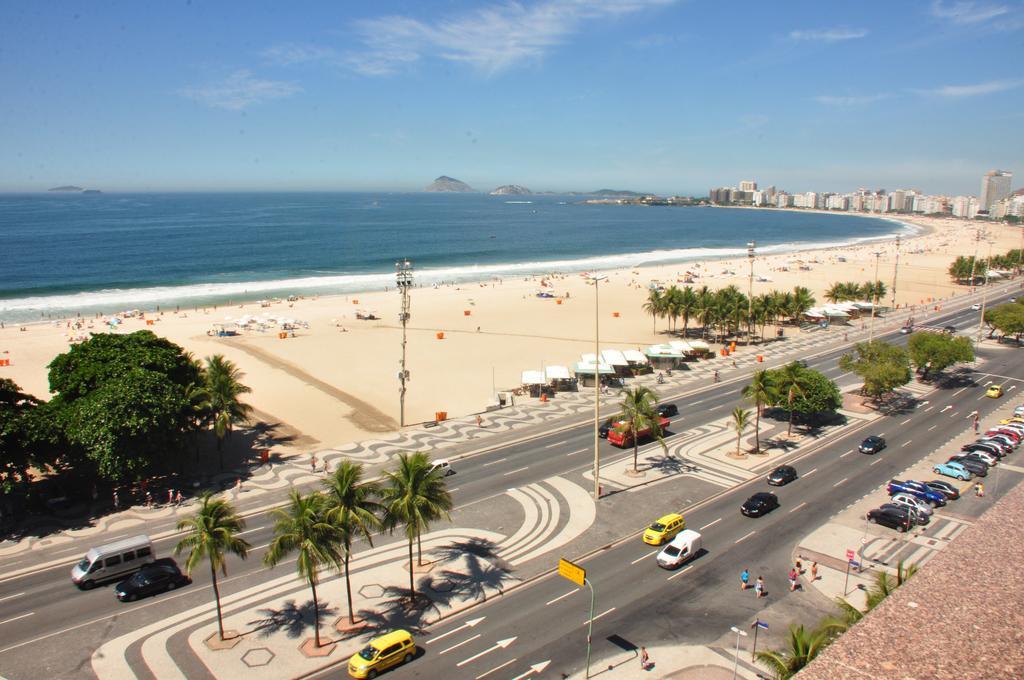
(938, 351)
(302, 527)
(639, 412)
(223, 388)
(803, 646)
(211, 534)
(761, 391)
(655, 306)
(883, 367)
(414, 496)
(18, 445)
(801, 303)
(1008, 319)
(353, 511)
(740, 423)
(804, 391)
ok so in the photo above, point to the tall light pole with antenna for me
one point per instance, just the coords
(984, 292)
(597, 388)
(403, 277)
(750, 294)
(874, 301)
(895, 272)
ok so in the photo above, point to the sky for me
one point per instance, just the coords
(667, 96)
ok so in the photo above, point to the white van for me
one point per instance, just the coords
(680, 549)
(114, 559)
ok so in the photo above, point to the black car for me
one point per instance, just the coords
(950, 329)
(759, 504)
(151, 579)
(915, 516)
(872, 444)
(950, 491)
(784, 474)
(987, 447)
(972, 464)
(668, 410)
(605, 426)
(894, 518)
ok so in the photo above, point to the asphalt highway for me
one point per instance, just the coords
(42, 610)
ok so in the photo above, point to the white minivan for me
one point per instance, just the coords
(112, 560)
(680, 549)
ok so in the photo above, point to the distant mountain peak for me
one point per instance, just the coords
(511, 190)
(450, 184)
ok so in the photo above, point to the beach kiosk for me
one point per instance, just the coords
(617, 361)
(699, 348)
(587, 373)
(558, 379)
(638, 363)
(663, 357)
(534, 382)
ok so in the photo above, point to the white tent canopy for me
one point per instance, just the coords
(613, 357)
(556, 373)
(534, 378)
(588, 367)
(699, 344)
(681, 345)
(662, 351)
(634, 356)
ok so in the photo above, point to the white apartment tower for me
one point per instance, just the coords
(748, 185)
(995, 186)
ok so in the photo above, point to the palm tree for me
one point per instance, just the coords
(353, 512)
(761, 391)
(640, 412)
(302, 527)
(671, 299)
(835, 292)
(802, 301)
(803, 647)
(705, 308)
(212, 533)
(790, 381)
(224, 386)
(740, 422)
(414, 497)
(653, 306)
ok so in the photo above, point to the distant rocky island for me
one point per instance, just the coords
(72, 189)
(449, 184)
(511, 190)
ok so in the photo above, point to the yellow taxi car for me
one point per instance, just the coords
(994, 391)
(1008, 421)
(382, 653)
(664, 529)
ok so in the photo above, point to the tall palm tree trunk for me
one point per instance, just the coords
(757, 428)
(316, 613)
(789, 403)
(419, 550)
(636, 450)
(412, 583)
(216, 598)
(348, 591)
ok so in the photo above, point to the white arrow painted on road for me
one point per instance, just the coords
(923, 403)
(1011, 387)
(535, 669)
(946, 408)
(502, 644)
(467, 624)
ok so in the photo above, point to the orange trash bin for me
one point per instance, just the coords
(440, 335)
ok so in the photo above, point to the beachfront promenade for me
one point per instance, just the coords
(530, 483)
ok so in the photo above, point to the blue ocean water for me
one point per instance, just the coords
(67, 253)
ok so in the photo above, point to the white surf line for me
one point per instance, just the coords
(512, 472)
(551, 446)
(498, 668)
(710, 524)
(798, 507)
(495, 462)
(459, 644)
(808, 474)
(17, 617)
(561, 597)
(607, 611)
(905, 421)
(640, 559)
(743, 538)
(843, 480)
(906, 444)
(680, 572)
(11, 597)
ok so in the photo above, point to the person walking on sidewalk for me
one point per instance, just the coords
(645, 660)
(759, 587)
(979, 490)
(814, 571)
(792, 579)
(744, 579)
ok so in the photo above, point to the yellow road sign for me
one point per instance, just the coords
(573, 572)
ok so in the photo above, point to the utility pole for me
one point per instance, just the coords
(403, 277)
(974, 258)
(874, 301)
(984, 294)
(750, 294)
(895, 272)
(597, 389)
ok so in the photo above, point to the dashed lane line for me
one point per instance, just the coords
(743, 538)
(551, 446)
(459, 644)
(561, 597)
(605, 612)
(959, 391)
(11, 597)
(932, 427)
(843, 480)
(928, 409)
(906, 444)
(495, 462)
(573, 453)
(710, 524)
(808, 474)
(846, 454)
(679, 573)
(16, 618)
(512, 472)
(639, 559)
(875, 462)
(905, 421)
(798, 507)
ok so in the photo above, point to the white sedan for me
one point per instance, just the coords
(976, 306)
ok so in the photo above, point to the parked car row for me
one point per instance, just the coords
(975, 458)
(912, 503)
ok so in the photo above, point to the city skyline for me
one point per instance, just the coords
(644, 95)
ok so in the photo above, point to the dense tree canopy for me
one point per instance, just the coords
(938, 351)
(803, 390)
(1008, 319)
(17, 440)
(883, 367)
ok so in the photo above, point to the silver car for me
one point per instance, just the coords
(908, 501)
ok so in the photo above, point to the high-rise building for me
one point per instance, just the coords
(748, 185)
(995, 186)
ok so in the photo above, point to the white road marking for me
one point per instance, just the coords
(875, 461)
(932, 427)
(906, 444)
(808, 474)
(498, 668)
(843, 480)
(680, 572)
(639, 559)
(467, 624)
(9, 597)
(846, 454)
(743, 538)
(905, 421)
(495, 462)
(798, 507)
(573, 453)
(607, 611)
(694, 403)
(946, 408)
(710, 524)
(959, 391)
(459, 644)
(249, 531)
(560, 597)
(502, 644)
(512, 472)
(551, 446)
(928, 409)
(17, 617)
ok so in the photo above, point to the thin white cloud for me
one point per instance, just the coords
(829, 34)
(849, 100)
(490, 39)
(287, 54)
(975, 90)
(967, 12)
(240, 90)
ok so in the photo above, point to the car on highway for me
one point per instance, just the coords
(153, 578)
(1013, 299)
(872, 445)
(906, 500)
(608, 424)
(952, 469)
(759, 504)
(782, 475)
(443, 467)
(950, 329)
(994, 391)
(976, 306)
(680, 549)
(906, 330)
(916, 516)
(952, 493)
(916, 489)
(894, 518)
(667, 410)
(664, 529)
(974, 465)
(383, 652)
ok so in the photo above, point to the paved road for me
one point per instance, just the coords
(42, 611)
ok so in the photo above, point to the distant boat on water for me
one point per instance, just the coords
(519, 201)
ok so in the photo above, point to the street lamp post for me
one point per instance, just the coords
(895, 272)
(750, 294)
(874, 301)
(403, 277)
(739, 634)
(974, 258)
(984, 293)
(597, 388)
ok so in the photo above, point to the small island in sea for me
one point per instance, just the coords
(68, 188)
(511, 190)
(449, 184)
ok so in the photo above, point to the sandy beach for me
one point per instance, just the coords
(336, 381)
